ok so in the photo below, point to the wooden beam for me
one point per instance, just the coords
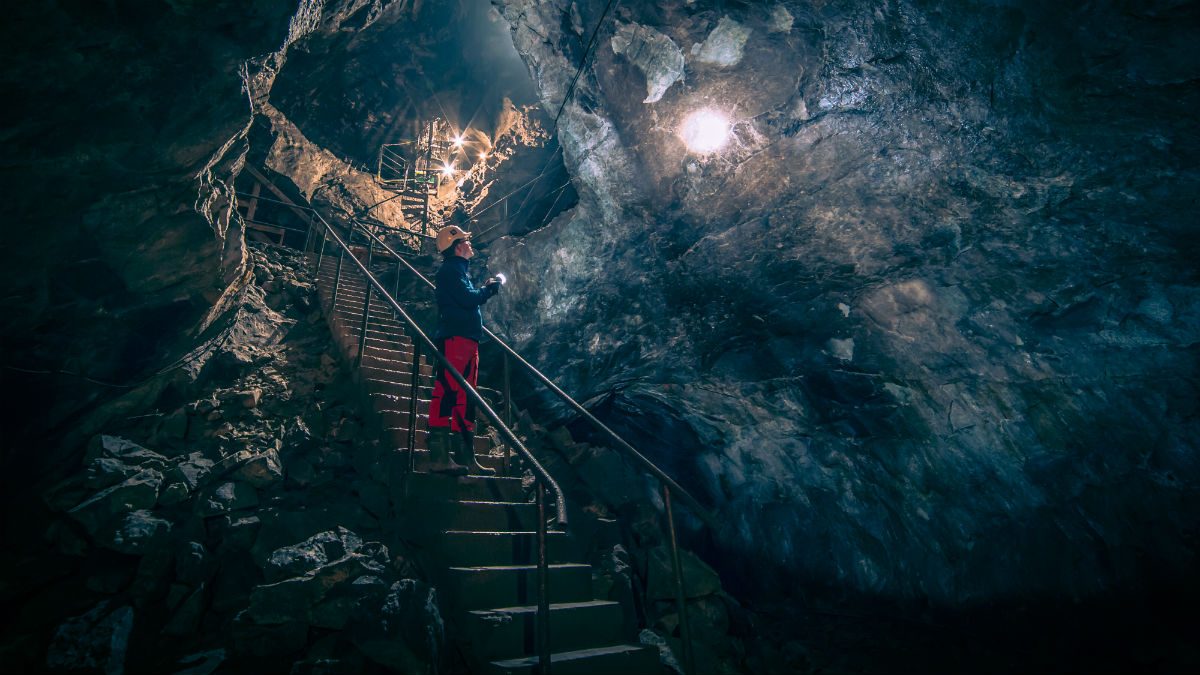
(278, 193)
(253, 201)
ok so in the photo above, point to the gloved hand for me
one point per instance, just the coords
(493, 285)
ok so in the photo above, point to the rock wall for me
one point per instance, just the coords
(237, 524)
(925, 327)
(110, 161)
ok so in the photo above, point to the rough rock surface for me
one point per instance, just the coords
(924, 326)
(923, 330)
(208, 532)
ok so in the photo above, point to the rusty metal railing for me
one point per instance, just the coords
(668, 485)
(543, 481)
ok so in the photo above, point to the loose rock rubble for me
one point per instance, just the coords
(225, 529)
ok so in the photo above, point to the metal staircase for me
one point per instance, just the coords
(481, 533)
(413, 168)
(516, 590)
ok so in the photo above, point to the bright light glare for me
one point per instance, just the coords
(705, 131)
(458, 141)
(448, 170)
(482, 156)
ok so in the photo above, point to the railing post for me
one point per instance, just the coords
(308, 234)
(321, 253)
(337, 279)
(689, 657)
(508, 410)
(412, 406)
(543, 591)
(362, 338)
(396, 286)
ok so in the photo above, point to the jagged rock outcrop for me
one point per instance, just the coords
(227, 527)
(922, 328)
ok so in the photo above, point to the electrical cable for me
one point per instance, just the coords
(587, 52)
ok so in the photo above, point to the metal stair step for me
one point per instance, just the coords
(383, 402)
(511, 631)
(433, 487)
(509, 585)
(399, 355)
(623, 658)
(350, 342)
(397, 437)
(379, 313)
(481, 516)
(421, 462)
(383, 376)
(467, 549)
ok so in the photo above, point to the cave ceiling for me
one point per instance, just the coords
(924, 325)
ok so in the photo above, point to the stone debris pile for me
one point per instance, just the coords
(226, 529)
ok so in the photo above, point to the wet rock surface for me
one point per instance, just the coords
(894, 332)
(183, 540)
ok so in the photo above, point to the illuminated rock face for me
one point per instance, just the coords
(925, 328)
(113, 129)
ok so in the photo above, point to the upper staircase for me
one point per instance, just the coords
(413, 168)
(479, 532)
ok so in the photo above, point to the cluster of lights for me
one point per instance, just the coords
(458, 142)
(704, 132)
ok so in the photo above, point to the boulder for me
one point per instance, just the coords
(201, 663)
(124, 450)
(94, 641)
(136, 532)
(174, 426)
(260, 640)
(405, 632)
(699, 579)
(240, 532)
(250, 398)
(187, 618)
(261, 470)
(137, 492)
(294, 599)
(191, 471)
(107, 471)
(314, 552)
(339, 605)
(194, 565)
(175, 493)
(225, 497)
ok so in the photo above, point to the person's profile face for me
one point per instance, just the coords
(464, 250)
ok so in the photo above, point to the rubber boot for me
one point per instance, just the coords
(464, 453)
(439, 442)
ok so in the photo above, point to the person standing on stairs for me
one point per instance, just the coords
(460, 326)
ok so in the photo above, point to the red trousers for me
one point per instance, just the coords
(450, 406)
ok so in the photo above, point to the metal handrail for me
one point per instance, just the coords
(542, 481)
(641, 459)
(668, 484)
(509, 437)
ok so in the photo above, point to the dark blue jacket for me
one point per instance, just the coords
(459, 301)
